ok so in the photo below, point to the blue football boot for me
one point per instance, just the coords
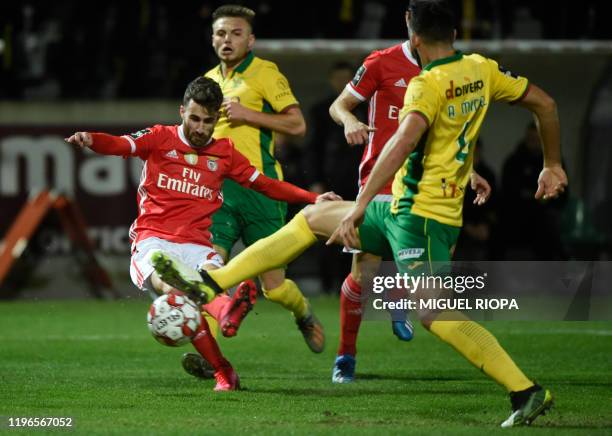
(344, 369)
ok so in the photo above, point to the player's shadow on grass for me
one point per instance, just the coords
(333, 391)
(413, 377)
(562, 381)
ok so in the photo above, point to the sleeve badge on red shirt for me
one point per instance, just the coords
(358, 75)
(140, 133)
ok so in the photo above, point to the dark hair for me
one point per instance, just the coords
(205, 92)
(235, 11)
(432, 20)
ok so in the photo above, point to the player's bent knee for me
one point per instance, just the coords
(323, 218)
(312, 213)
(309, 213)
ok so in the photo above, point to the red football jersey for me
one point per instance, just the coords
(180, 186)
(382, 79)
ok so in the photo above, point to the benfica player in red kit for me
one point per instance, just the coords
(180, 189)
(381, 80)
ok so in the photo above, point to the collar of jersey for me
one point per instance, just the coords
(447, 60)
(242, 66)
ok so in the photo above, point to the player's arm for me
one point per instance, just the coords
(506, 86)
(392, 157)
(341, 109)
(289, 121)
(102, 143)
(552, 180)
(274, 88)
(284, 191)
(242, 172)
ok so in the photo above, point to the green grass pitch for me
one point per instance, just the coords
(96, 362)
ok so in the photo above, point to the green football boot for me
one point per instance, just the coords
(528, 405)
(184, 278)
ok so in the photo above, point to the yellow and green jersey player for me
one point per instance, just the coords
(450, 97)
(452, 94)
(430, 156)
(258, 102)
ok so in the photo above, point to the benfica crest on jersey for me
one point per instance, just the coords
(211, 163)
(191, 158)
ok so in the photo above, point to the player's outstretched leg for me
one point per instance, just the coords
(229, 312)
(175, 273)
(206, 345)
(280, 248)
(266, 254)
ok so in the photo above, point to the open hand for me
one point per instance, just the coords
(82, 139)
(551, 183)
(328, 196)
(482, 188)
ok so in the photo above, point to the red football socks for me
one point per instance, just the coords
(206, 345)
(350, 316)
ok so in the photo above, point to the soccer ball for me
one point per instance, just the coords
(173, 319)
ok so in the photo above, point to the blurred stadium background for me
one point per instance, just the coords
(120, 66)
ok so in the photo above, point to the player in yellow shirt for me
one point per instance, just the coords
(258, 102)
(431, 157)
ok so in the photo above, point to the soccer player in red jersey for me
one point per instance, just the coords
(381, 80)
(180, 189)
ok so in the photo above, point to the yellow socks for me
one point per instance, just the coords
(212, 323)
(482, 349)
(290, 297)
(267, 254)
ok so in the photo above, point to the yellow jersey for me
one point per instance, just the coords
(258, 85)
(453, 95)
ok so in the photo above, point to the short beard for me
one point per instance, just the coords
(196, 144)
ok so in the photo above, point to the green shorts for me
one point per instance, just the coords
(410, 240)
(246, 215)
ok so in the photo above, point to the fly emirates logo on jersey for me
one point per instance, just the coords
(188, 184)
